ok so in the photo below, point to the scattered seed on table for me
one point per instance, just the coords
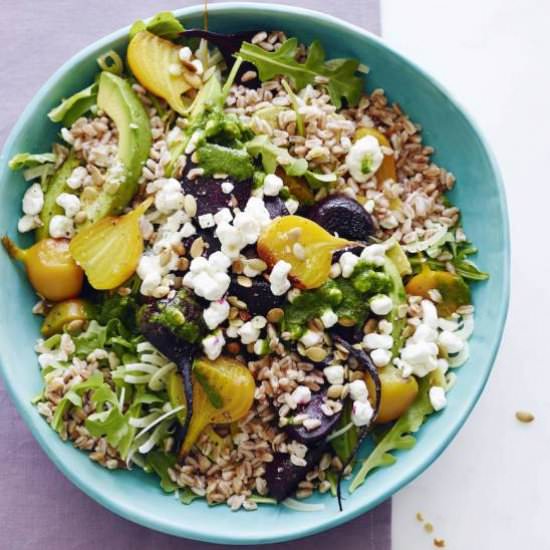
(525, 416)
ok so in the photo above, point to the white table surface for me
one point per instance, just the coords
(490, 489)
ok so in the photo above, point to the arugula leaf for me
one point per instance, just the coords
(163, 24)
(110, 421)
(74, 397)
(72, 108)
(272, 155)
(340, 74)
(92, 338)
(398, 437)
(30, 160)
(159, 462)
(459, 251)
(187, 496)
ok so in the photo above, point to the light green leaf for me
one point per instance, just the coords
(316, 181)
(93, 338)
(73, 397)
(340, 76)
(30, 160)
(163, 24)
(159, 462)
(72, 108)
(345, 444)
(272, 155)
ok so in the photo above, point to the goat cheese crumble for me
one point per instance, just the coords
(364, 158)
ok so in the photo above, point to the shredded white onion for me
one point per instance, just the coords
(467, 329)
(339, 432)
(160, 419)
(420, 246)
(298, 506)
(461, 357)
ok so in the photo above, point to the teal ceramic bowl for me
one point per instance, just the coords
(479, 193)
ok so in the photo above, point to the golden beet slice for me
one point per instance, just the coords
(110, 249)
(454, 291)
(305, 245)
(50, 268)
(223, 391)
(156, 65)
(397, 394)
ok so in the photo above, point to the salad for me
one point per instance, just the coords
(247, 266)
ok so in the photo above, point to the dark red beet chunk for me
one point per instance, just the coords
(258, 297)
(275, 206)
(344, 216)
(313, 410)
(209, 195)
(283, 477)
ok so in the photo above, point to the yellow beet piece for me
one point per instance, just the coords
(110, 249)
(223, 391)
(305, 245)
(154, 60)
(454, 291)
(50, 268)
(397, 395)
(387, 169)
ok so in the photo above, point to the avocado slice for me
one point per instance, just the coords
(56, 186)
(117, 99)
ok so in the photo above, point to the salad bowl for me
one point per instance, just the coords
(480, 196)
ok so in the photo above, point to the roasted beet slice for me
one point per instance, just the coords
(344, 216)
(275, 206)
(313, 410)
(212, 244)
(209, 195)
(283, 477)
(364, 363)
(228, 44)
(257, 297)
(175, 327)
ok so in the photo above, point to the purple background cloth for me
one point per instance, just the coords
(39, 508)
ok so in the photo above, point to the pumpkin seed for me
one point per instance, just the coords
(197, 248)
(275, 314)
(525, 416)
(244, 281)
(316, 354)
(190, 205)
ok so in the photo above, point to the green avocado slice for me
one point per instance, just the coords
(119, 101)
(56, 186)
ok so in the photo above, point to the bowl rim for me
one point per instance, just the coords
(198, 533)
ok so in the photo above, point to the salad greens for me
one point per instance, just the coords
(398, 437)
(72, 108)
(30, 160)
(339, 74)
(163, 24)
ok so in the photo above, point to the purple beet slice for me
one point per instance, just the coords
(283, 477)
(209, 195)
(313, 410)
(342, 215)
(275, 206)
(257, 297)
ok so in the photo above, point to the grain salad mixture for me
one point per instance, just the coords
(248, 268)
